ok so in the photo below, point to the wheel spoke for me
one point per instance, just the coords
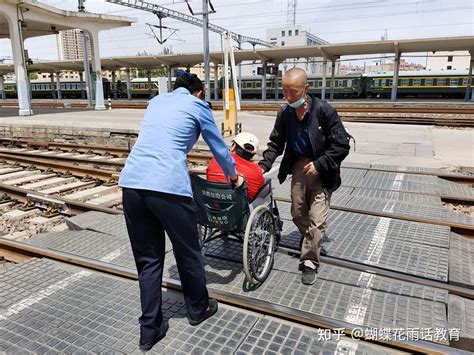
(260, 246)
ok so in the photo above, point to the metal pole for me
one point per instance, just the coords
(333, 80)
(216, 81)
(395, 76)
(58, 85)
(264, 80)
(53, 88)
(148, 74)
(323, 87)
(467, 96)
(170, 84)
(205, 28)
(129, 85)
(114, 85)
(240, 67)
(81, 78)
(28, 85)
(85, 54)
(277, 79)
(2, 87)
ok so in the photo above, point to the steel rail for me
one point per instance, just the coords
(460, 226)
(69, 159)
(282, 312)
(193, 157)
(68, 147)
(442, 196)
(453, 176)
(45, 160)
(378, 271)
(45, 163)
(73, 206)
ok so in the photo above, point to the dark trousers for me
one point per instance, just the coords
(148, 215)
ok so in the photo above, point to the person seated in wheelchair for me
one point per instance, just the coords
(243, 149)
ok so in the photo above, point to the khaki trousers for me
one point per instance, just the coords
(309, 209)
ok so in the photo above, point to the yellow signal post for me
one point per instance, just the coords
(230, 127)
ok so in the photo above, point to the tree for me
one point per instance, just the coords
(160, 71)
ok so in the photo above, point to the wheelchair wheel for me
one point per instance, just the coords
(259, 245)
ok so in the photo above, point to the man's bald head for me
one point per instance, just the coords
(295, 85)
(295, 77)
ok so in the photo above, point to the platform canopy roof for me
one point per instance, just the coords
(39, 19)
(273, 55)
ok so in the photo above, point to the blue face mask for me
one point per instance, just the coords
(297, 103)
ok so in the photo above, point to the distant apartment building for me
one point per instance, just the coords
(388, 65)
(379, 66)
(448, 60)
(292, 36)
(70, 45)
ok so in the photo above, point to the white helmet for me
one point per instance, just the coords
(247, 141)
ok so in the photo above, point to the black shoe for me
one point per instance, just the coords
(148, 346)
(210, 311)
(323, 251)
(326, 239)
(308, 276)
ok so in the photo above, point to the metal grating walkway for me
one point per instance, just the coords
(55, 308)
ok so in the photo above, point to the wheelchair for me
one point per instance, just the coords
(223, 211)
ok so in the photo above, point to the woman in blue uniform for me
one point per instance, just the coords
(157, 198)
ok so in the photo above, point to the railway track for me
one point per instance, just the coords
(40, 204)
(77, 159)
(239, 301)
(453, 116)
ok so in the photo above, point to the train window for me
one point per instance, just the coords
(349, 83)
(441, 81)
(340, 83)
(312, 83)
(428, 82)
(416, 82)
(268, 84)
(376, 82)
(404, 82)
(383, 82)
(453, 82)
(258, 84)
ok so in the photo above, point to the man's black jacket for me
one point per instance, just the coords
(329, 142)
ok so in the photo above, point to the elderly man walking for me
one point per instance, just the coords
(314, 142)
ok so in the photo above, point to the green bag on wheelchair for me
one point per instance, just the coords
(219, 206)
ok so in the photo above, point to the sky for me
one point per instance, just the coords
(336, 21)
